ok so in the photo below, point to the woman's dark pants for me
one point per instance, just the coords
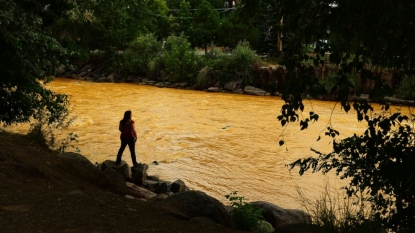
(131, 145)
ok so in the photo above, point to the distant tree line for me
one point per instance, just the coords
(37, 36)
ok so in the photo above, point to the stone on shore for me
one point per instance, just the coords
(213, 89)
(87, 171)
(178, 186)
(192, 204)
(122, 168)
(250, 90)
(279, 217)
(139, 174)
(139, 192)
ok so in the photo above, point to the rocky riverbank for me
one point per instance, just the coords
(135, 183)
(269, 81)
(46, 192)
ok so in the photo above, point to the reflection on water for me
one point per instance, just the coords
(214, 142)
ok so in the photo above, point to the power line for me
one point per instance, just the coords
(222, 10)
(218, 9)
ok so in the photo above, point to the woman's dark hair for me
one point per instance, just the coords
(127, 116)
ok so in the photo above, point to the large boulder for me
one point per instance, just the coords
(213, 89)
(151, 184)
(60, 71)
(163, 187)
(76, 158)
(178, 186)
(194, 204)
(139, 174)
(111, 78)
(231, 86)
(160, 84)
(158, 197)
(139, 192)
(82, 168)
(117, 181)
(250, 90)
(182, 85)
(122, 168)
(279, 217)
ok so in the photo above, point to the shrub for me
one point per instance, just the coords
(49, 133)
(330, 82)
(239, 65)
(406, 88)
(335, 213)
(140, 54)
(205, 77)
(244, 57)
(178, 61)
(244, 215)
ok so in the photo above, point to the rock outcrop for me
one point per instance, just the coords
(193, 204)
(176, 197)
(178, 186)
(139, 174)
(90, 173)
(279, 217)
(122, 168)
(250, 90)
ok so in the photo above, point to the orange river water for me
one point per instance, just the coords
(215, 142)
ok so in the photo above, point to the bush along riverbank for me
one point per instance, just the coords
(269, 82)
(88, 73)
(177, 65)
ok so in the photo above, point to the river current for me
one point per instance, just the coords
(214, 142)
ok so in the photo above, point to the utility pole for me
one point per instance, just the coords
(280, 36)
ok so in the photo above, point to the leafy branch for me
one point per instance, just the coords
(375, 164)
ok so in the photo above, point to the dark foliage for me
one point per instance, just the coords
(379, 166)
(29, 55)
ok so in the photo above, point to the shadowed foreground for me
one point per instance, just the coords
(41, 193)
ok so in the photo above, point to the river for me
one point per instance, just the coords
(214, 142)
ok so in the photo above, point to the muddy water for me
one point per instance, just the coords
(214, 142)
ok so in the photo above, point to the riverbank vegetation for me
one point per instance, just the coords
(245, 216)
(357, 47)
(333, 212)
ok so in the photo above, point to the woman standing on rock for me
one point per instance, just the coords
(128, 137)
